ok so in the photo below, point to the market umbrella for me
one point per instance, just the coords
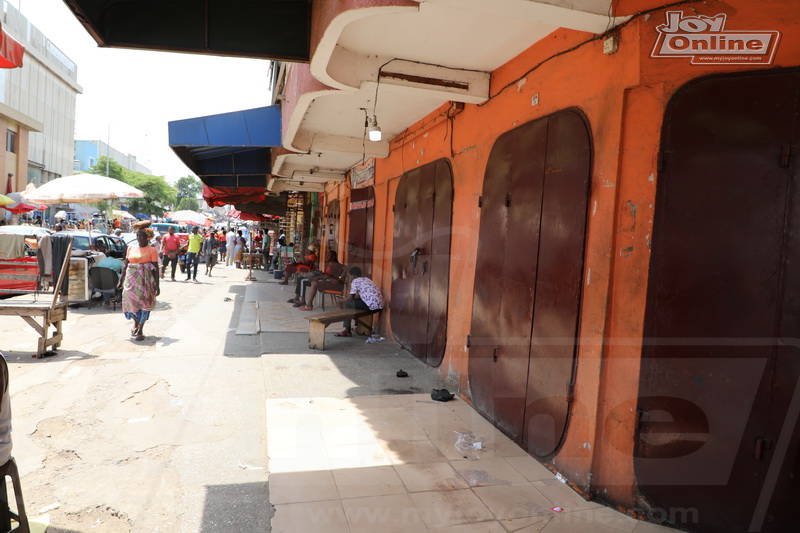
(19, 205)
(123, 215)
(5, 200)
(81, 188)
(188, 217)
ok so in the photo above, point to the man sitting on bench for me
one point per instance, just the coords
(364, 295)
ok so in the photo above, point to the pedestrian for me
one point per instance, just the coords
(364, 295)
(230, 239)
(170, 245)
(210, 247)
(223, 245)
(238, 251)
(139, 283)
(193, 253)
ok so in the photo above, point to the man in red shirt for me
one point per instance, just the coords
(170, 244)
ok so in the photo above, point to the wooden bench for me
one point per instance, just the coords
(51, 311)
(318, 323)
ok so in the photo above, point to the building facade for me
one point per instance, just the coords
(37, 107)
(87, 153)
(582, 214)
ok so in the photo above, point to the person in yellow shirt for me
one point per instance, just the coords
(193, 253)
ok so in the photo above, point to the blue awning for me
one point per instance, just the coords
(229, 149)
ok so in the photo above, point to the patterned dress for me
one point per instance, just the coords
(139, 293)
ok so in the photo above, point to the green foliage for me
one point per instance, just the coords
(188, 203)
(159, 196)
(188, 187)
(115, 170)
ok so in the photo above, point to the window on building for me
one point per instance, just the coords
(11, 141)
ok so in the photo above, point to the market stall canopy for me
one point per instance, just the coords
(123, 215)
(254, 217)
(230, 149)
(219, 196)
(273, 205)
(5, 200)
(11, 52)
(81, 188)
(188, 217)
(18, 204)
(244, 28)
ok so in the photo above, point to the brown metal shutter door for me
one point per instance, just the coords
(558, 282)
(502, 310)
(720, 289)
(439, 267)
(359, 241)
(423, 207)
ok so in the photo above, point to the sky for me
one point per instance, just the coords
(129, 96)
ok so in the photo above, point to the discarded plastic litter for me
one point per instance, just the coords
(561, 478)
(227, 300)
(557, 509)
(373, 340)
(466, 442)
(402, 374)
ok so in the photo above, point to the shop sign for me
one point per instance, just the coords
(363, 204)
(363, 174)
(705, 41)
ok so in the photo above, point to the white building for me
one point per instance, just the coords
(37, 107)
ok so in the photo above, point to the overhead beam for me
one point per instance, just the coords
(583, 15)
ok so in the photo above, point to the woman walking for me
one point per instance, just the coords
(210, 247)
(140, 283)
(238, 252)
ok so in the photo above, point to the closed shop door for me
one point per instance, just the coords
(718, 391)
(359, 239)
(332, 226)
(421, 260)
(528, 278)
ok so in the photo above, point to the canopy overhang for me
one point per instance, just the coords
(267, 29)
(229, 149)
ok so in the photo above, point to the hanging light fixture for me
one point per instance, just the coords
(374, 131)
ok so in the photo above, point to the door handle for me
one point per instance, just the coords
(762, 444)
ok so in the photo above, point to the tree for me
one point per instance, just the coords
(159, 196)
(115, 170)
(188, 203)
(188, 187)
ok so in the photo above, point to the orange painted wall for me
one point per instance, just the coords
(624, 97)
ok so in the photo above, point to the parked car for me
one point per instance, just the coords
(30, 232)
(128, 238)
(116, 246)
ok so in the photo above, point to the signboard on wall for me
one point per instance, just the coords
(363, 174)
(705, 40)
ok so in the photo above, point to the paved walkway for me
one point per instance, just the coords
(353, 448)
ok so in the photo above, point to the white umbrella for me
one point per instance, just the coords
(123, 215)
(82, 188)
(187, 216)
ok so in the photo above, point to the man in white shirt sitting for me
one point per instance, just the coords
(364, 295)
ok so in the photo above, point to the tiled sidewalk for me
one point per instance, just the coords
(391, 464)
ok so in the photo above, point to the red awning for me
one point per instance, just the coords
(11, 52)
(251, 216)
(219, 196)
